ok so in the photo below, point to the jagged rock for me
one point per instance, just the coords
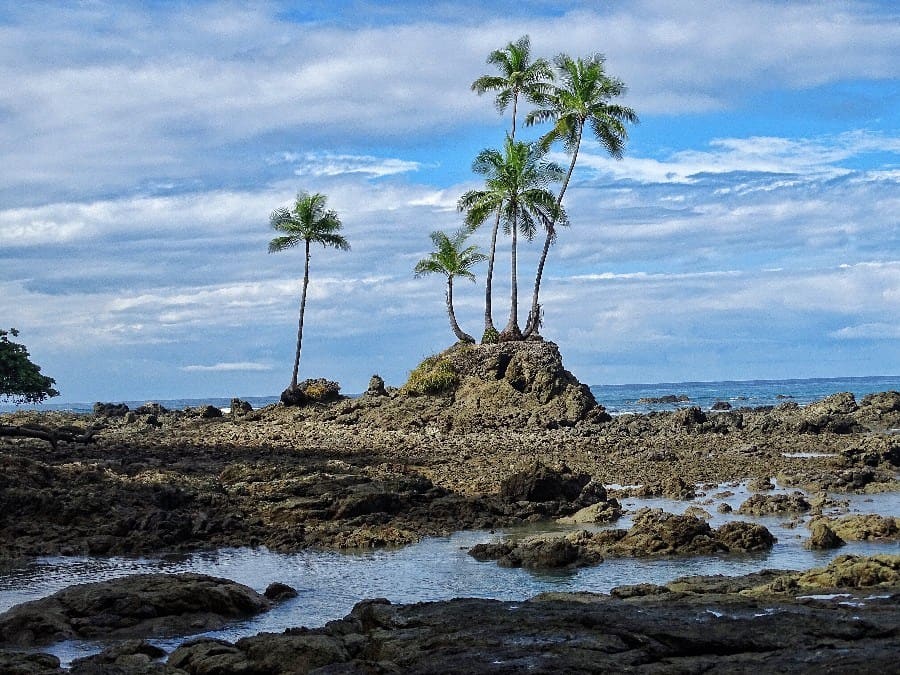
(240, 407)
(676, 488)
(760, 485)
(317, 390)
(539, 483)
(376, 387)
(865, 527)
(601, 512)
(761, 505)
(138, 605)
(654, 533)
(721, 405)
(668, 399)
(110, 409)
(151, 408)
(822, 537)
(21, 663)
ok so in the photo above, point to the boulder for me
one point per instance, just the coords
(763, 505)
(376, 387)
(864, 527)
(240, 407)
(822, 537)
(539, 483)
(135, 606)
(110, 409)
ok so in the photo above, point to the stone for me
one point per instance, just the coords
(539, 483)
(134, 606)
(110, 409)
(376, 387)
(762, 505)
(822, 537)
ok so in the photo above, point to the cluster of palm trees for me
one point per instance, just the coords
(573, 94)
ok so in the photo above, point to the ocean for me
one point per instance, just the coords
(616, 398)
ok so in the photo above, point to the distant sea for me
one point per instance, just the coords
(616, 398)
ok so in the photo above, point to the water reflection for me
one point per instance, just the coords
(330, 583)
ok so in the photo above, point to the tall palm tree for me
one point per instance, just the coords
(516, 183)
(584, 97)
(452, 260)
(307, 222)
(519, 76)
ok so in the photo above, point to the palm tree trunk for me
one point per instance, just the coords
(461, 335)
(300, 323)
(512, 136)
(534, 318)
(489, 278)
(512, 331)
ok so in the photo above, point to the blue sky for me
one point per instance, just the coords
(751, 231)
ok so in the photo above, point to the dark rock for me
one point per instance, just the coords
(741, 537)
(667, 399)
(539, 483)
(151, 408)
(20, 663)
(209, 412)
(762, 505)
(278, 591)
(822, 537)
(110, 409)
(127, 658)
(721, 405)
(240, 407)
(135, 606)
(317, 390)
(376, 387)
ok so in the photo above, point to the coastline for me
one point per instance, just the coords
(358, 473)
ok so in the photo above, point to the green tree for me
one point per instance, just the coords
(308, 222)
(516, 183)
(583, 98)
(519, 76)
(452, 260)
(20, 379)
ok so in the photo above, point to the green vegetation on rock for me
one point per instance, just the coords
(435, 375)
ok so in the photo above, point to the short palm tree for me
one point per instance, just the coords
(308, 222)
(452, 260)
(519, 76)
(516, 183)
(584, 97)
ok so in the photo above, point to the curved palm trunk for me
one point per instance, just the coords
(461, 335)
(300, 323)
(534, 318)
(512, 331)
(489, 278)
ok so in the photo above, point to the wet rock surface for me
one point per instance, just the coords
(135, 606)
(760, 622)
(653, 533)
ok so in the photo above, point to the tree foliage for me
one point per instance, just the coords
(21, 380)
(308, 222)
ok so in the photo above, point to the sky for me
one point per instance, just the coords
(751, 230)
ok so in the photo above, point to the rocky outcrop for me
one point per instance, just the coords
(654, 533)
(764, 505)
(136, 606)
(694, 624)
(863, 527)
(821, 536)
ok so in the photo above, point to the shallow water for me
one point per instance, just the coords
(330, 583)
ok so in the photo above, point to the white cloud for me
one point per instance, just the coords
(242, 366)
(868, 331)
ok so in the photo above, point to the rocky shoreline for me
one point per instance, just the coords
(515, 440)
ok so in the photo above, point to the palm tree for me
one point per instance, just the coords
(518, 76)
(452, 260)
(515, 188)
(308, 222)
(583, 98)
